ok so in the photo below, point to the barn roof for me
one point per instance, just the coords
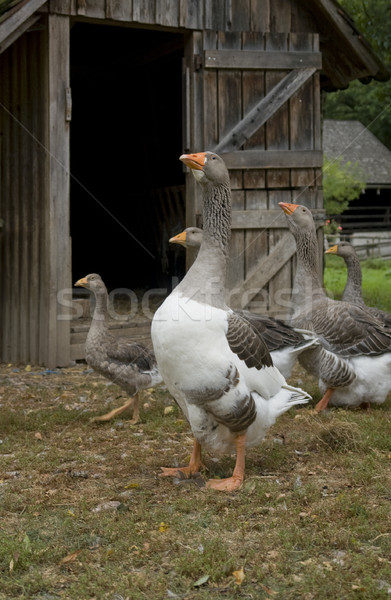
(346, 54)
(352, 141)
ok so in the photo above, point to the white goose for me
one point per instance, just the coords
(283, 342)
(213, 362)
(353, 360)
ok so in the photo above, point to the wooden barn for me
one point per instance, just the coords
(98, 98)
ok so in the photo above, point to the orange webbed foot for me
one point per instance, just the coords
(225, 485)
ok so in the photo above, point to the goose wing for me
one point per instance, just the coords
(246, 342)
(276, 333)
(127, 352)
(350, 330)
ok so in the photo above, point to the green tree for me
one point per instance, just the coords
(341, 184)
(370, 103)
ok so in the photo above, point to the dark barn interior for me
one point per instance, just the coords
(126, 136)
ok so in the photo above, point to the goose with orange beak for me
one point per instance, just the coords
(353, 360)
(283, 342)
(214, 363)
(353, 288)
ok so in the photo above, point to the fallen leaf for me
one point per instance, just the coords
(168, 410)
(70, 558)
(201, 581)
(11, 565)
(38, 435)
(163, 527)
(239, 576)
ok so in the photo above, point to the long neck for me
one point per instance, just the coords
(353, 287)
(99, 316)
(307, 284)
(205, 280)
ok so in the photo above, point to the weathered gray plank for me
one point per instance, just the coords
(190, 14)
(239, 134)
(267, 267)
(167, 13)
(119, 10)
(246, 59)
(17, 19)
(60, 243)
(269, 159)
(261, 218)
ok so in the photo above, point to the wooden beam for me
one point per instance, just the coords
(18, 32)
(269, 105)
(266, 268)
(268, 219)
(273, 159)
(17, 18)
(245, 59)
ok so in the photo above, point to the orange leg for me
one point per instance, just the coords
(194, 465)
(234, 482)
(322, 404)
(117, 411)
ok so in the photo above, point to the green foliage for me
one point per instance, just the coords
(369, 104)
(341, 184)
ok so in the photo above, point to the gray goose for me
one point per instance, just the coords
(283, 342)
(353, 288)
(353, 360)
(128, 364)
(213, 362)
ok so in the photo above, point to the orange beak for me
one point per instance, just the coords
(332, 249)
(194, 161)
(288, 208)
(81, 282)
(179, 239)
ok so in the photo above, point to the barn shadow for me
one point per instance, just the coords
(127, 184)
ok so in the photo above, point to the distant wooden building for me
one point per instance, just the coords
(353, 143)
(98, 98)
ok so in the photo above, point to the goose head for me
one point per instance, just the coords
(299, 217)
(92, 282)
(190, 238)
(343, 249)
(207, 168)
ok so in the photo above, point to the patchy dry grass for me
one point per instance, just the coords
(85, 514)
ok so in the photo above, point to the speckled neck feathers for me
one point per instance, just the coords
(205, 280)
(353, 288)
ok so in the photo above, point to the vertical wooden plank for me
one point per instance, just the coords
(24, 204)
(6, 254)
(167, 13)
(277, 138)
(214, 15)
(238, 15)
(260, 15)
(253, 88)
(15, 206)
(191, 14)
(36, 196)
(119, 10)
(280, 16)
(95, 9)
(144, 12)
(60, 253)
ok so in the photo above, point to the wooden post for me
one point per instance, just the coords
(59, 178)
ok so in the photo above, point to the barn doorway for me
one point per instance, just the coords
(127, 184)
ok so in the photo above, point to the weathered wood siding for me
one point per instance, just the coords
(24, 200)
(34, 174)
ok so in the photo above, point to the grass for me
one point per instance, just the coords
(86, 515)
(376, 277)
